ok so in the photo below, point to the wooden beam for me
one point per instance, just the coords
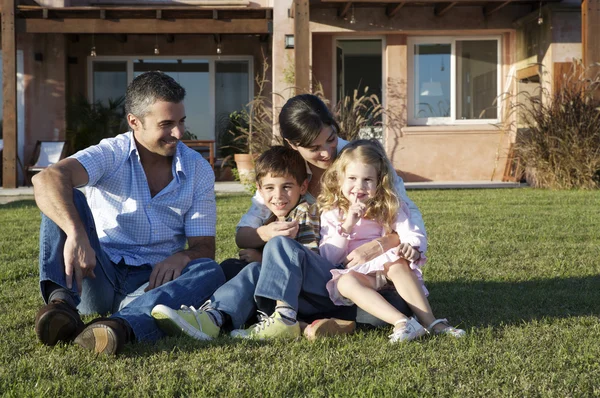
(9, 95)
(528, 72)
(151, 26)
(343, 10)
(302, 46)
(379, 2)
(442, 8)
(393, 9)
(491, 8)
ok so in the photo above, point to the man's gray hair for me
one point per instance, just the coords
(148, 88)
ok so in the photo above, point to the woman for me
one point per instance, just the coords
(307, 125)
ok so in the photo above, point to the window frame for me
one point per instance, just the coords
(452, 120)
(212, 60)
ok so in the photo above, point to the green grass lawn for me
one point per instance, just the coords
(518, 269)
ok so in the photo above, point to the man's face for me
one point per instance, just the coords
(322, 150)
(281, 194)
(161, 129)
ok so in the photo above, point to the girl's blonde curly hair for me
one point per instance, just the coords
(384, 206)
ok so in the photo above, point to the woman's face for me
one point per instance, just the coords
(322, 150)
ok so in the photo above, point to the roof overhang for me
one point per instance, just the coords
(174, 19)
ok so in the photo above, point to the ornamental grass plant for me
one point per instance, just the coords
(558, 141)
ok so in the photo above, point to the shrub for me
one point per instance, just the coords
(560, 142)
(88, 124)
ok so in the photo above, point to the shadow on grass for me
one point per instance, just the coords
(467, 304)
(482, 304)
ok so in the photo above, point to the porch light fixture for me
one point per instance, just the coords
(540, 19)
(289, 41)
(93, 49)
(352, 19)
(219, 49)
(156, 50)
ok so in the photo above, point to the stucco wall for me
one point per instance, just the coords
(44, 88)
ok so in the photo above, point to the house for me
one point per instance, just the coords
(438, 66)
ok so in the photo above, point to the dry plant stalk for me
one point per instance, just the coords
(560, 147)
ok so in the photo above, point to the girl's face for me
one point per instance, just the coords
(360, 182)
(322, 150)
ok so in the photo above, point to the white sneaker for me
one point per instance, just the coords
(409, 329)
(447, 330)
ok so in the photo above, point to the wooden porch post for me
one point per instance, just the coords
(302, 46)
(590, 32)
(9, 87)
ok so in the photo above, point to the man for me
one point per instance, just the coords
(146, 194)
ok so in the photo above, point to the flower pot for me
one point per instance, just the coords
(245, 167)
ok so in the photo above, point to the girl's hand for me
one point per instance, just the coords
(356, 211)
(408, 252)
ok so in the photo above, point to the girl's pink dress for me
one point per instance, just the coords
(335, 246)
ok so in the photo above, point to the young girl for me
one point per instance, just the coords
(359, 205)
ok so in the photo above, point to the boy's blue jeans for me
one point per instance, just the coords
(289, 272)
(118, 288)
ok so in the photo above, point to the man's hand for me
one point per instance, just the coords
(408, 252)
(278, 228)
(167, 270)
(80, 260)
(250, 255)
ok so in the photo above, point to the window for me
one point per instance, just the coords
(213, 86)
(453, 80)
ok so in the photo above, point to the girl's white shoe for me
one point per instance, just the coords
(406, 330)
(449, 330)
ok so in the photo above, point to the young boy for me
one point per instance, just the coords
(279, 170)
(289, 278)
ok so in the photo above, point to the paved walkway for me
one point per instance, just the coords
(25, 193)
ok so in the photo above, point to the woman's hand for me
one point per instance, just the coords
(408, 252)
(362, 254)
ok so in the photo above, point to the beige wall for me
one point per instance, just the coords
(427, 153)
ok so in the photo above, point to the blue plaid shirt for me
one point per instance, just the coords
(131, 224)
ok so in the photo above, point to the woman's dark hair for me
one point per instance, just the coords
(303, 117)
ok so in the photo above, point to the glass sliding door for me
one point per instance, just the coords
(194, 76)
(110, 81)
(232, 93)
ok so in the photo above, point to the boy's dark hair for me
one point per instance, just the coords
(281, 161)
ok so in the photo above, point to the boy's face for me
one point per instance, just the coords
(281, 194)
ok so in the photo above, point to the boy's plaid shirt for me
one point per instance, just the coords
(309, 224)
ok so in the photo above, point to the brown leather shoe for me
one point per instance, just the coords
(57, 321)
(105, 336)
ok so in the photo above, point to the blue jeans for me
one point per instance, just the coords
(289, 272)
(294, 274)
(118, 288)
